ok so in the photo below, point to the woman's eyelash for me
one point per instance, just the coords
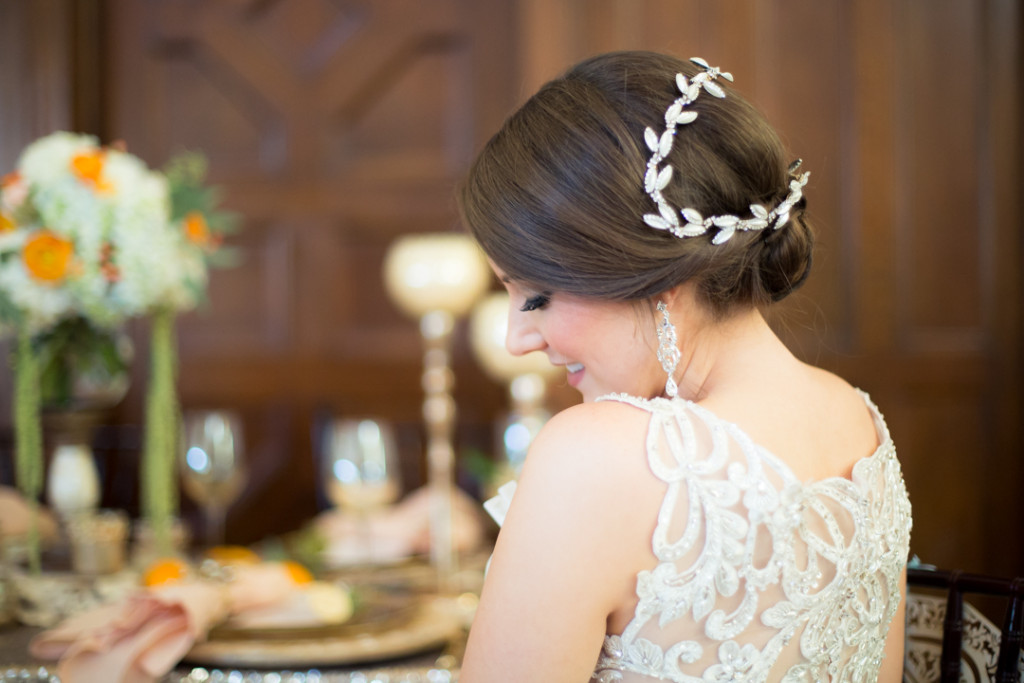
(534, 302)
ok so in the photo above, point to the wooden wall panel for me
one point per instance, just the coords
(937, 176)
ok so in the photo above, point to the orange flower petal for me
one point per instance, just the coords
(165, 570)
(48, 256)
(88, 166)
(6, 223)
(298, 573)
(196, 229)
(232, 554)
(10, 179)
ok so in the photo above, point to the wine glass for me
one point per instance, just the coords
(211, 465)
(360, 468)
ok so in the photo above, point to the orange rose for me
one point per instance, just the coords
(196, 229)
(88, 166)
(48, 256)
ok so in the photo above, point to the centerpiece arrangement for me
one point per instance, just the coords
(90, 237)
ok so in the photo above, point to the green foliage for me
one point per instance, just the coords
(186, 176)
(28, 442)
(481, 468)
(9, 313)
(305, 546)
(72, 346)
(159, 483)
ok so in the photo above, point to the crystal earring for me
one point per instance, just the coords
(668, 350)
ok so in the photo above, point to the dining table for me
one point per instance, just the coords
(405, 645)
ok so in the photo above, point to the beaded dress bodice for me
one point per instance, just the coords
(761, 576)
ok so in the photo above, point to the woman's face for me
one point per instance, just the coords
(605, 347)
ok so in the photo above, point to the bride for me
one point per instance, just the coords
(715, 509)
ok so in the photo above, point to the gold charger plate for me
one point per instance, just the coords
(431, 622)
(376, 610)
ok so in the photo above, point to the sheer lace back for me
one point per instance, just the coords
(761, 576)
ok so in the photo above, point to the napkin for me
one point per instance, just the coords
(141, 637)
(497, 507)
(397, 532)
(136, 640)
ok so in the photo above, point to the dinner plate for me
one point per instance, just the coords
(377, 609)
(374, 633)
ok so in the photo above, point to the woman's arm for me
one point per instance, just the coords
(569, 549)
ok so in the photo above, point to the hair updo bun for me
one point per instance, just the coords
(786, 257)
(556, 198)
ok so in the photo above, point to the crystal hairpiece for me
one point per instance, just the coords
(656, 179)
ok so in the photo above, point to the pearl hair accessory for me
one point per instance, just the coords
(657, 178)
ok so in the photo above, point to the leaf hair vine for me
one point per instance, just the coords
(689, 222)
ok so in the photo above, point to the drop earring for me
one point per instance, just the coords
(668, 350)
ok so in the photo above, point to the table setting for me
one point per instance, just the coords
(249, 611)
(380, 586)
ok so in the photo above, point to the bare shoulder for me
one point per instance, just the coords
(841, 398)
(593, 454)
(598, 424)
(842, 423)
(605, 435)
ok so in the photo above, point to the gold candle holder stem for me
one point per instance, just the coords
(439, 416)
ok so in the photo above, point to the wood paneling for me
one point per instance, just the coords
(335, 126)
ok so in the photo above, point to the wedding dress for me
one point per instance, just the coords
(760, 576)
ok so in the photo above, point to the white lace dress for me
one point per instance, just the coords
(760, 576)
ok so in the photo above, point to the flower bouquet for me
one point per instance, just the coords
(90, 237)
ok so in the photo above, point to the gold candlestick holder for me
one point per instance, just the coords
(436, 278)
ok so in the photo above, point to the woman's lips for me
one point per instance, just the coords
(575, 373)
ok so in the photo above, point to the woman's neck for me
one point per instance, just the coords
(718, 353)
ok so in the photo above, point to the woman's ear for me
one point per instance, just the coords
(683, 293)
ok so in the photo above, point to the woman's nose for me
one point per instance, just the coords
(522, 336)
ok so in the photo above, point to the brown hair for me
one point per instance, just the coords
(556, 197)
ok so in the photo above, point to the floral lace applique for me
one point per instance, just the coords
(837, 549)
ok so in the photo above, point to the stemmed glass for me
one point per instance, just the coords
(360, 469)
(212, 465)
